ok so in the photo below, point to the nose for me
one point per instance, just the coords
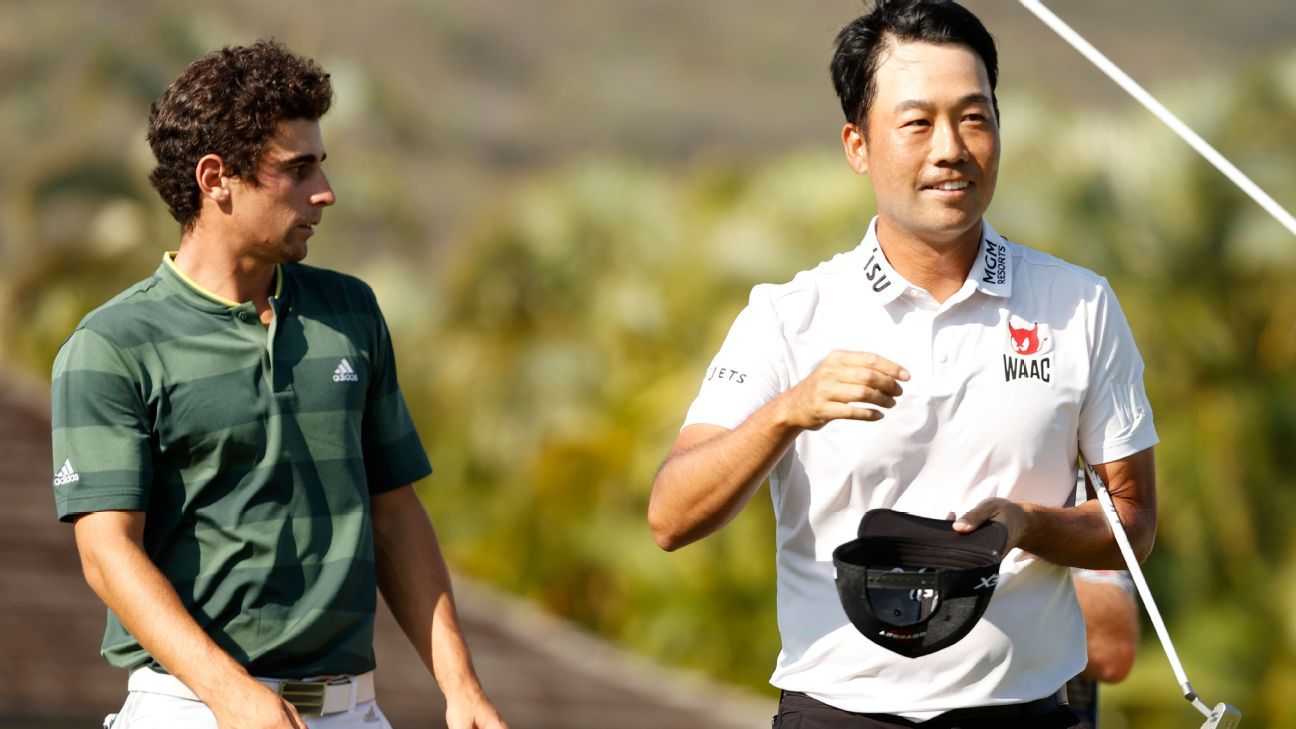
(324, 196)
(947, 145)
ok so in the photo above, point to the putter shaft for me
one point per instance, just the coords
(1145, 592)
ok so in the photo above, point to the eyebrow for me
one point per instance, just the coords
(305, 159)
(921, 105)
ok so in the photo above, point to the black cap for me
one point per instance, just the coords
(914, 585)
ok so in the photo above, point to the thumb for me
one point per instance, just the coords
(975, 517)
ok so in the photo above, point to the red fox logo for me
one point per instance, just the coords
(1025, 341)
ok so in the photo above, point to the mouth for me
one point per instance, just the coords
(309, 228)
(949, 186)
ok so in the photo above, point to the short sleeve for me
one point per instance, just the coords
(748, 372)
(393, 453)
(100, 429)
(1115, 416)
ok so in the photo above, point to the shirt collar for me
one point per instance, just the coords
(991, 270)
(199, 296)
(881, 282)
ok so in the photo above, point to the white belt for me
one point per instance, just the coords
(315, 697)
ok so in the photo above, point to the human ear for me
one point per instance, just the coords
(856, 148)
(211, 177)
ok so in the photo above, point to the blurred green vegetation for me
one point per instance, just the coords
(579, 322)
(550, 346)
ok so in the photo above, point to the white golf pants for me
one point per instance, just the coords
(158, 708)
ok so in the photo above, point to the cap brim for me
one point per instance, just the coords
(991, 536)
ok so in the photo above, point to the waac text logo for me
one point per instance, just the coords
(1029, 344)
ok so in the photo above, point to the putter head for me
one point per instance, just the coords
(1223, 716)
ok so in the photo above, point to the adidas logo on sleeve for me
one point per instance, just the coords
(345, 373)
(66, 474)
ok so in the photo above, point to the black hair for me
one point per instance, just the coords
(229, 103)
(860, 45)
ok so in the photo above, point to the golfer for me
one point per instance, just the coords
(937, 369)
(233, 447)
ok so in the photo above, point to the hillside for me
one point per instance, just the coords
(453, 97)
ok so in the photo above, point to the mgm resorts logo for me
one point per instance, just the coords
(995, 264)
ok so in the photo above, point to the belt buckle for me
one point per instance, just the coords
(306, 696)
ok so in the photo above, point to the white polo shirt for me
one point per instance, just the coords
(1030, 361)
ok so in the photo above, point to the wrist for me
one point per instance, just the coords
(229, 684)
(1028, 527)
(463, 691)
(784, 416)
(459, 683)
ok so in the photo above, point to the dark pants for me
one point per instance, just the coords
(798, 711)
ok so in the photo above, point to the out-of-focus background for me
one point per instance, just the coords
(562, 206)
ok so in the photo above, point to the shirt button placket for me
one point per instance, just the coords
(928, 345)
(940, 356)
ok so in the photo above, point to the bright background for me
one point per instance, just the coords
(562, 206)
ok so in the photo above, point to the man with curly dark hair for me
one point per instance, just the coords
(232, 444)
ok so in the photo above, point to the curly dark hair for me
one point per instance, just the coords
(229, 103)
(860, 45)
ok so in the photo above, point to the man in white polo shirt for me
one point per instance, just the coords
(936, 369)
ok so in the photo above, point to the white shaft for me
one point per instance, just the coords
(1127, 551)
(1122, 79)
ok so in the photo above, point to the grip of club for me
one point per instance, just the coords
(1145, 592)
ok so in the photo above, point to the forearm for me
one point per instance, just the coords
(415, 581)
(712, 473)
(1081, 536)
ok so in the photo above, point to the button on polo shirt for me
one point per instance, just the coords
(1027, 365)
(253, 451)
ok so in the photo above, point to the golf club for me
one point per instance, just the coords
(1150, 102)
(1222, 716)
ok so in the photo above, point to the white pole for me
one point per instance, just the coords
(1122, 79)
(1145, 592)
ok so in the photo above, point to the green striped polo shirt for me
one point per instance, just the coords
(253, 452)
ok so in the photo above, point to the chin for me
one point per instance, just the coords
(954, 225)
(293, 253)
